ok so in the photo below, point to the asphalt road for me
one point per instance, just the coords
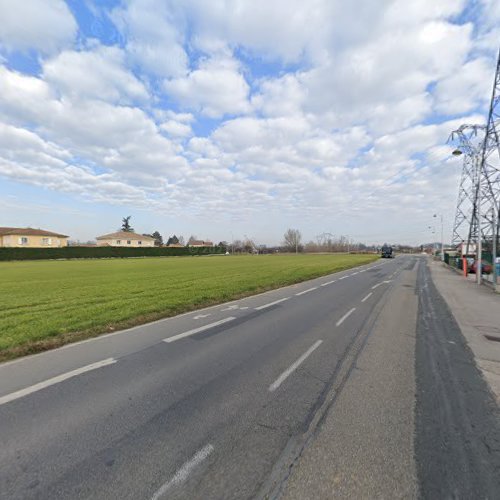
(212, 404)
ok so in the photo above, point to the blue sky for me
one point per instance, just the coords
(239, 118)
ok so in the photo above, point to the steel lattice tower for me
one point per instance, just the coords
(479, 191)
(488, 194)
(469, 139)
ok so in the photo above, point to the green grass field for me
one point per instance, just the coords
(44, 304)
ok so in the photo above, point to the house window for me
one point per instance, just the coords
(23, 240)
(139, 242)
(46, 241)
(118, 242)
(128, 242)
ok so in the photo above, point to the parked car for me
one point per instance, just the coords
(486, 267)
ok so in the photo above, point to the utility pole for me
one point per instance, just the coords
(442, 236)
(494, 218)
(479, 266)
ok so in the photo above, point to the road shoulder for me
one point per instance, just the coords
(457, 438)
(364, 448)
(476, 309)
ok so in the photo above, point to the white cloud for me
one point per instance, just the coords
(280, 96)
(154, 42)
(467, 89)
(121, 139)
(98, 73)
(215, 89)
(284, 29)
(176, 129)
(26, 157)
(396, 68)
(44, 25)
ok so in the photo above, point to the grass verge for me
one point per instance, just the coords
(46, 304)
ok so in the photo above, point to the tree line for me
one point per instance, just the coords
(291, 242)
(156, 235)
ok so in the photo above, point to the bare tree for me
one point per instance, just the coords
(292, 239)
(249, 246)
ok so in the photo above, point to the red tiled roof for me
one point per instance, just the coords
(124, 235)
(28, 231)
(201, 243)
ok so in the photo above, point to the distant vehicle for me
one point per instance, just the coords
(387, 252)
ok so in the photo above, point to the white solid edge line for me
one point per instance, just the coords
(294, 366)
(197, 330)
(367, 297)
(271, 304)
(345, 316)
(54, 380)
(182, 474)
(307, 291)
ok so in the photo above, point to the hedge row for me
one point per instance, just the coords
(102, 252)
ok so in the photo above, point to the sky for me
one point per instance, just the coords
(229, 119)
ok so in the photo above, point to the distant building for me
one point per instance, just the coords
(125, 239)
(200, 243)
(175, 245)
(31, 238)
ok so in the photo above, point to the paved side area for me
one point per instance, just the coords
(457, 435)
(476, 309)
(364, 448)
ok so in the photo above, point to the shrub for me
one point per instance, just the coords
(101, 252)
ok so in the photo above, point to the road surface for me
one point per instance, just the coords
(232, 401)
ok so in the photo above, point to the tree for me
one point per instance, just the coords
(224, 245)
(181, 240)
(237, 246)
(249, 246)
(192, 239)
(126, 224)
(173, 240)
(292, 239)
(158, 239)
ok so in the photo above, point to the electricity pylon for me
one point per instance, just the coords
(488, 196)
(469, 140)
(476, 218)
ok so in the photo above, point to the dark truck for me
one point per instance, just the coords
(387, 252)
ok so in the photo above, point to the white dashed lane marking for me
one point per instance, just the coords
(197, 330)
(55, 380)
(294, 366)
(345, 316)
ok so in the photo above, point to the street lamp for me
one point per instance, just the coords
(442, 240)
